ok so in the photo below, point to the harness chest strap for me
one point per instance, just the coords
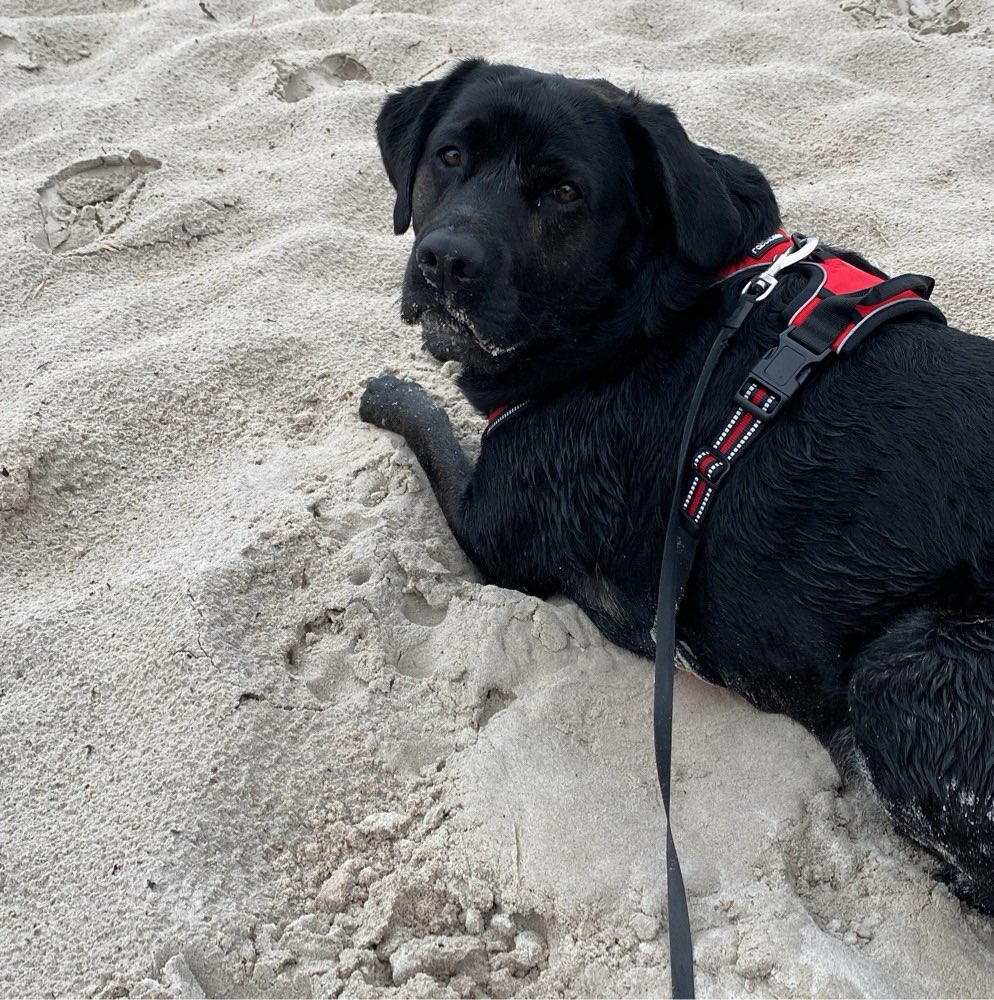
(499, 414)
(840, 305)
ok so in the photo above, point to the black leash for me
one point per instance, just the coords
(678, 560)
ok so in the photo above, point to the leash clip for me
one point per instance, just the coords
(764, 283)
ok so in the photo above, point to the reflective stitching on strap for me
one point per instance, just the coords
(503, 415)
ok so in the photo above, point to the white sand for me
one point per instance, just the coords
(262, 730)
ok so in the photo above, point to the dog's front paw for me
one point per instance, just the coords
(393, 403)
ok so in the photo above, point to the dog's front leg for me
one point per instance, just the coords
(405, 408)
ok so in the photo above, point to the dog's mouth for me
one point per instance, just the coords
(445, 325)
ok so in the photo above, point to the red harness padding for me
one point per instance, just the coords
(839, 306)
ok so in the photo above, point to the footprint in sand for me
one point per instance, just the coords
(12, 51)
(295, 84)
(419, 612)
(494, 702)
(926, 17)
(89, 200)
(420, 659)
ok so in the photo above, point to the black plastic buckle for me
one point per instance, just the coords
(781, 371)
(716, 470)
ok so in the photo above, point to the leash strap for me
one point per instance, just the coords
(678, 560)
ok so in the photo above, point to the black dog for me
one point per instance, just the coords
(569, 238)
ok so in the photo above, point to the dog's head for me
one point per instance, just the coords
(552, 213)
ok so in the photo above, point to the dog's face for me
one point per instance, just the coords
(536, 201)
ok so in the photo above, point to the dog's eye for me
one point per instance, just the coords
(451, 156)
(566, 193)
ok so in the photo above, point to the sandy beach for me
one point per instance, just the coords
(263, 729)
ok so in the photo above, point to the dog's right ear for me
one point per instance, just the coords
(402, 128)
(671, 174)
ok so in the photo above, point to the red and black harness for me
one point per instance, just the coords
(840, 305)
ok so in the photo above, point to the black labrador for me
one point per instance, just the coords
(569, 237)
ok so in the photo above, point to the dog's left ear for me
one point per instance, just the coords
(402, 128)
(671, 175)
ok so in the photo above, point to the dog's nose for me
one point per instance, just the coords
(449, 260)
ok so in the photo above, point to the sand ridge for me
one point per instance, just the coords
(263, 730)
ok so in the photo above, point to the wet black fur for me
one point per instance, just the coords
(846, 575)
